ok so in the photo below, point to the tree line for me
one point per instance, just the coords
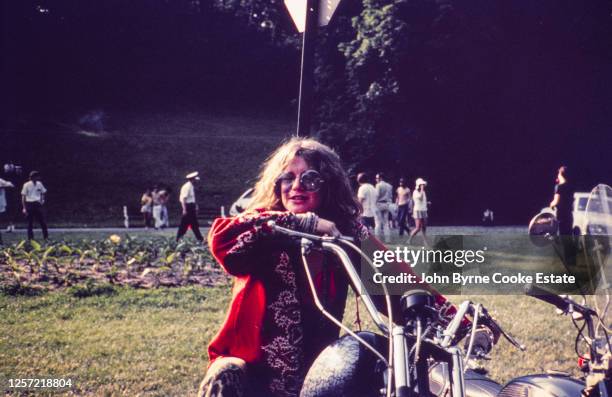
(489, 93)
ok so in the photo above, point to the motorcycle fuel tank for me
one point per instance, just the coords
(346, 368)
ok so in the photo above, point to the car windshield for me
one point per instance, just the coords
(582, 203)
(595, 206)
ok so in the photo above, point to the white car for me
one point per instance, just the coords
(242, 203)
(598, 220)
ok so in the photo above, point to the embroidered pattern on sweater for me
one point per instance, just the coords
(284, 353)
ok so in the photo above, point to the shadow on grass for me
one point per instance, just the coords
(91, 289)
(16, 289)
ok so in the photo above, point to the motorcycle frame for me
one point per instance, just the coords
(400, 378)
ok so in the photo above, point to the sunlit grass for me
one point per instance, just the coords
(115, 340)
(153, 342)
(127, 343)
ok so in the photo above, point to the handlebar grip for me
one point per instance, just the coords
(494, 326)
(547, 296)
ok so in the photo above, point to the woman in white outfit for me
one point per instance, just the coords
(3, 185)
(419, 211)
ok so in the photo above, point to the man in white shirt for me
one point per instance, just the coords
(384, 192)
(3, 185)
(32, 200)
(190, 208)
(366, 194)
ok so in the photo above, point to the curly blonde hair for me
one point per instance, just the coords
(338, 203)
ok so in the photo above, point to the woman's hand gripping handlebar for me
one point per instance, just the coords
(313, 237)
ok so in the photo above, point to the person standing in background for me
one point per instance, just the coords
(3, 186)
(13, 196)
(419, 211)
(157, 207)
(562, 202)
(384, 192)
(146, 208)
(190, 208)
(563, 198)
(488, 217)
(164, 197)
(403, 204)
(366, 195)
(32, 200)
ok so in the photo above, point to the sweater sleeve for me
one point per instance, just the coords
(236, 242)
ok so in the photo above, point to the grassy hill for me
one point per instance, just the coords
(92, 172)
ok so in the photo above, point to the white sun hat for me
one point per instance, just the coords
(193, 175)
(420, 181)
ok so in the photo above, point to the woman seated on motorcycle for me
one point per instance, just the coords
(273, 330)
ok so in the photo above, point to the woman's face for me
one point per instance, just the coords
(293, 196)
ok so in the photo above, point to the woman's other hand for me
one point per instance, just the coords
(328, 228)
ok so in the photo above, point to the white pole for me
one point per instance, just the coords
(126, 218)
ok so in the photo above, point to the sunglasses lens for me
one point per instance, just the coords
(285, 180)
(311, 180)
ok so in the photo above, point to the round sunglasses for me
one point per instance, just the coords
(310, 180)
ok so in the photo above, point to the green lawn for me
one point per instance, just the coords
(115, 340)
(136, 342)
(129, 342)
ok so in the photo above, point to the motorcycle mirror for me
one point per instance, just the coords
(543, 227)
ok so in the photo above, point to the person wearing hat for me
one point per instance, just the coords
(419, 210)
(32, 200)
(190, 208)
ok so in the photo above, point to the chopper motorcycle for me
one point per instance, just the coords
(419, 354)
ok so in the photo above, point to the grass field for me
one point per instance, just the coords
(116, 340)
(123, 342)
(132, 342)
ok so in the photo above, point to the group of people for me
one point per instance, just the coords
(154, 207)
(380, 209)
